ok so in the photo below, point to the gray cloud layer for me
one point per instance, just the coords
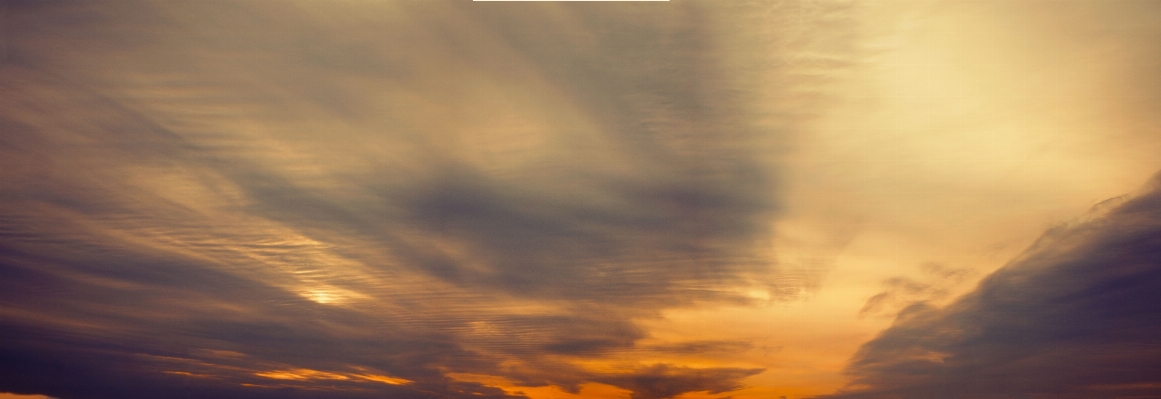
(1078, 315)
(250, 199)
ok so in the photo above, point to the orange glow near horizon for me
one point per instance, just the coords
(587, 391)
(678, 200)
(312, 375)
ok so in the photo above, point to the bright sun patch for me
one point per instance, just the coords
(302, 374)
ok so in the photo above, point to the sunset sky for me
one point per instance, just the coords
(580, 200)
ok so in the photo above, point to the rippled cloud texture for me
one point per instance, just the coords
(397, 199)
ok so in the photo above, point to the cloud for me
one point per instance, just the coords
(1075, 316)
(309, 200)
(664, 381)
(901, 292)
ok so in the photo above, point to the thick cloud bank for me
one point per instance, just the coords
(1078, 315)
(379, 199)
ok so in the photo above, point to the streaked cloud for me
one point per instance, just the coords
(693, 200)
(304, 199)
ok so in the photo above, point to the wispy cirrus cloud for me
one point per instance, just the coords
(297, 200)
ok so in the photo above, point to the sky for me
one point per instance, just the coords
(570, 200)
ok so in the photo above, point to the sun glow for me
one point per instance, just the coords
(302, 374)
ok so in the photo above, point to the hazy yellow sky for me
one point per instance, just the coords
(437, 199)
(963, 130)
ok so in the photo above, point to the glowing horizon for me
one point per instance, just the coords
(656, 200)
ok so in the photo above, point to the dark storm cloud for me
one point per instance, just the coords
(1078, 315)
(251, 199)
